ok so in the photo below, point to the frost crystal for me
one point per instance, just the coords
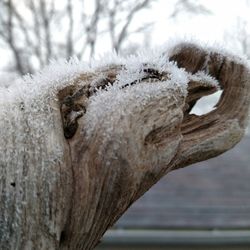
(204, 79)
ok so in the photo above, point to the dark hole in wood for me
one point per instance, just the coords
(62, 237)
(69, 131)
(13, 184)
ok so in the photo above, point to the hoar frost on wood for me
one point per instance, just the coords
(80, 143)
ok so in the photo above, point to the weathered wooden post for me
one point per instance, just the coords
(79, 145)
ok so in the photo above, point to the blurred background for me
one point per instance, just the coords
(206, 206)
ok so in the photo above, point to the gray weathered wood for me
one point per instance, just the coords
(70, 201)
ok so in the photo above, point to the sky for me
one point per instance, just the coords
(208, 28)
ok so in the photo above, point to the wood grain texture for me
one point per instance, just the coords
(99, 177)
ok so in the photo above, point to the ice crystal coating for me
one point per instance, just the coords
(30, 123)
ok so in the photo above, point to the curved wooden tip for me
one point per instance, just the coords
(211, 134)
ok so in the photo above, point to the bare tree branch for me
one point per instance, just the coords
(129, 19)
(92, 29)
(189, 6)
(36, 30)
(70, 42)
(11, 39)
(47, 29)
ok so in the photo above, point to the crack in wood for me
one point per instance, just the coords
(74, 100)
